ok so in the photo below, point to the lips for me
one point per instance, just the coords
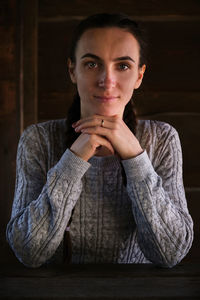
(109, 98)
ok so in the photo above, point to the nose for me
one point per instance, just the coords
(107, 79)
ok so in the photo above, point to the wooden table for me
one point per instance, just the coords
(101, 282)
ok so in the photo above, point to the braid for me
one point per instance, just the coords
(130, 116)
(73, 116)
(130, 119)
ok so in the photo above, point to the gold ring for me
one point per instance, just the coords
(102, 122)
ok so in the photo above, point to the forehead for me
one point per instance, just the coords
(108, 43)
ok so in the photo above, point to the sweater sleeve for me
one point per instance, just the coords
(164, 225)
(43, 200)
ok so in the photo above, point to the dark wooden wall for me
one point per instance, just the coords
(35, 86)
(9, 111)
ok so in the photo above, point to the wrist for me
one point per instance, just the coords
(82, 156)
(132, 153)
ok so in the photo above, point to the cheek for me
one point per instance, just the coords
(127, 84)
(127, 87)
(84, 85)
(131, 82)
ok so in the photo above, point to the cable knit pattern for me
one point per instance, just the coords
(145, 221)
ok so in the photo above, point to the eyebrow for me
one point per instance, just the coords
(115, 59)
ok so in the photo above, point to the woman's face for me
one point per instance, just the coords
(106, 71)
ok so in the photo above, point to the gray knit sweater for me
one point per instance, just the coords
(144, 221)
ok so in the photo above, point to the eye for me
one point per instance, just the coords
(91, 64)
(124, 66)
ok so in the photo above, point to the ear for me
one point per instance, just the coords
(140, 76)
(71, 69)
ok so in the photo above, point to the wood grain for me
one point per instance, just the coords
(28, 63)
(50, 8)
(9, 113)
(192, 196)
(111, 281)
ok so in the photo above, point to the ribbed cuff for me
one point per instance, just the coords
(139, 167)
(71, 166)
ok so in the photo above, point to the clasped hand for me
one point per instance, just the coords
(113, 136)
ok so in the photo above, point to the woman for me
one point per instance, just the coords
(116, 187)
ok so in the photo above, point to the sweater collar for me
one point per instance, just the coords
(106, 162)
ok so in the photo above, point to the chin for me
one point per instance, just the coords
(108, 112)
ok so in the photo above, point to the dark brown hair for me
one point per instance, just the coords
(104, 21)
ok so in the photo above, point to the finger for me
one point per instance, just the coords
(95, 130)
(99, 121)
(87, 123)
(95, 119)
(100, 131)
(104, 142)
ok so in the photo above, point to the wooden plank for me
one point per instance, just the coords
(7, 12)
(100, 270)
(55, 90)
(50, 8)
(152, 102)
(173, 52)
(193, 201)
(7, 50)
(53, 48)
(7, 97)
(56, 103)
(9, 131)
(9, 114)
(104, 282)
(28, 66)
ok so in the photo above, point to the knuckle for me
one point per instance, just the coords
(95, 129)
(92, 138)
(114, 132)
(117, 118)
(95, 118)
(116, 126)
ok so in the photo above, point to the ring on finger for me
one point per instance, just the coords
(102, 122)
